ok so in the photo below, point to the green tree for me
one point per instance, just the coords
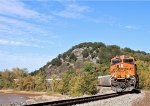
(84, 83)
(7, 79)
(18, 72)
(39, 82)
(89, 67)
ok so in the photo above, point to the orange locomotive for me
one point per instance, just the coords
(123, 72)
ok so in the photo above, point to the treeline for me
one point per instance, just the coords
(74, 82)
(20, 79)
(144, 74)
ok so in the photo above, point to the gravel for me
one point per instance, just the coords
(123, 100)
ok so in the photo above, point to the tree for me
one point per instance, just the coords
(17, 72)
(7, 79)
(39, 82)
(84, 83)
(89, 67)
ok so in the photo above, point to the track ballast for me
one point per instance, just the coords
(69, 102)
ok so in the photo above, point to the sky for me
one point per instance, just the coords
(32, 32)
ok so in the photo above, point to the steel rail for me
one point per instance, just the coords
(69, 102)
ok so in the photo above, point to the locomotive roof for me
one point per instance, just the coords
(122, 57)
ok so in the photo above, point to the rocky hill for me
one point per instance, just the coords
(97, 53)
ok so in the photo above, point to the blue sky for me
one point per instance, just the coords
(32, 32)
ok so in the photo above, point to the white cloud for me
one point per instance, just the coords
(19, 43)
(9, 24)
(9, 42)
(20, 33)
(103, 19)
(72, 10)
(131, 27)
(16, 7)
(29, 61)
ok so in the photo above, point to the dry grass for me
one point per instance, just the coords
(144, 102)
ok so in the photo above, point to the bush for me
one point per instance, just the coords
(83, 84)
(73, 57)
(85, 53)
(76, 83)
(89, 67)
(56, 62)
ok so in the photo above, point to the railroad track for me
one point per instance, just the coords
(74, 101)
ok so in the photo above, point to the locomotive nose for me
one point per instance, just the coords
(121, 65)
(121, 71)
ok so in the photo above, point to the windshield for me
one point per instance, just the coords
(128, 60)
(115, 61)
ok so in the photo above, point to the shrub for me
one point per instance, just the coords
(73, 57)
(56, 62)
(85, 53)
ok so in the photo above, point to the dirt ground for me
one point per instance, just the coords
(34, 97)
(143, 102)
(21, 92)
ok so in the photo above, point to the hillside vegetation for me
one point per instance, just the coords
(77, 68)
(97, 53)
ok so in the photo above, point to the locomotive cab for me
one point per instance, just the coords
(123, 72)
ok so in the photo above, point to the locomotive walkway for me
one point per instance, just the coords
(74, 101)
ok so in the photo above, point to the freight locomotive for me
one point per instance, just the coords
(123, 72)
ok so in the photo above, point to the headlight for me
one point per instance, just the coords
(128, 76)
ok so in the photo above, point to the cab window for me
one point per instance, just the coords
(128, 60)
(115, 61)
